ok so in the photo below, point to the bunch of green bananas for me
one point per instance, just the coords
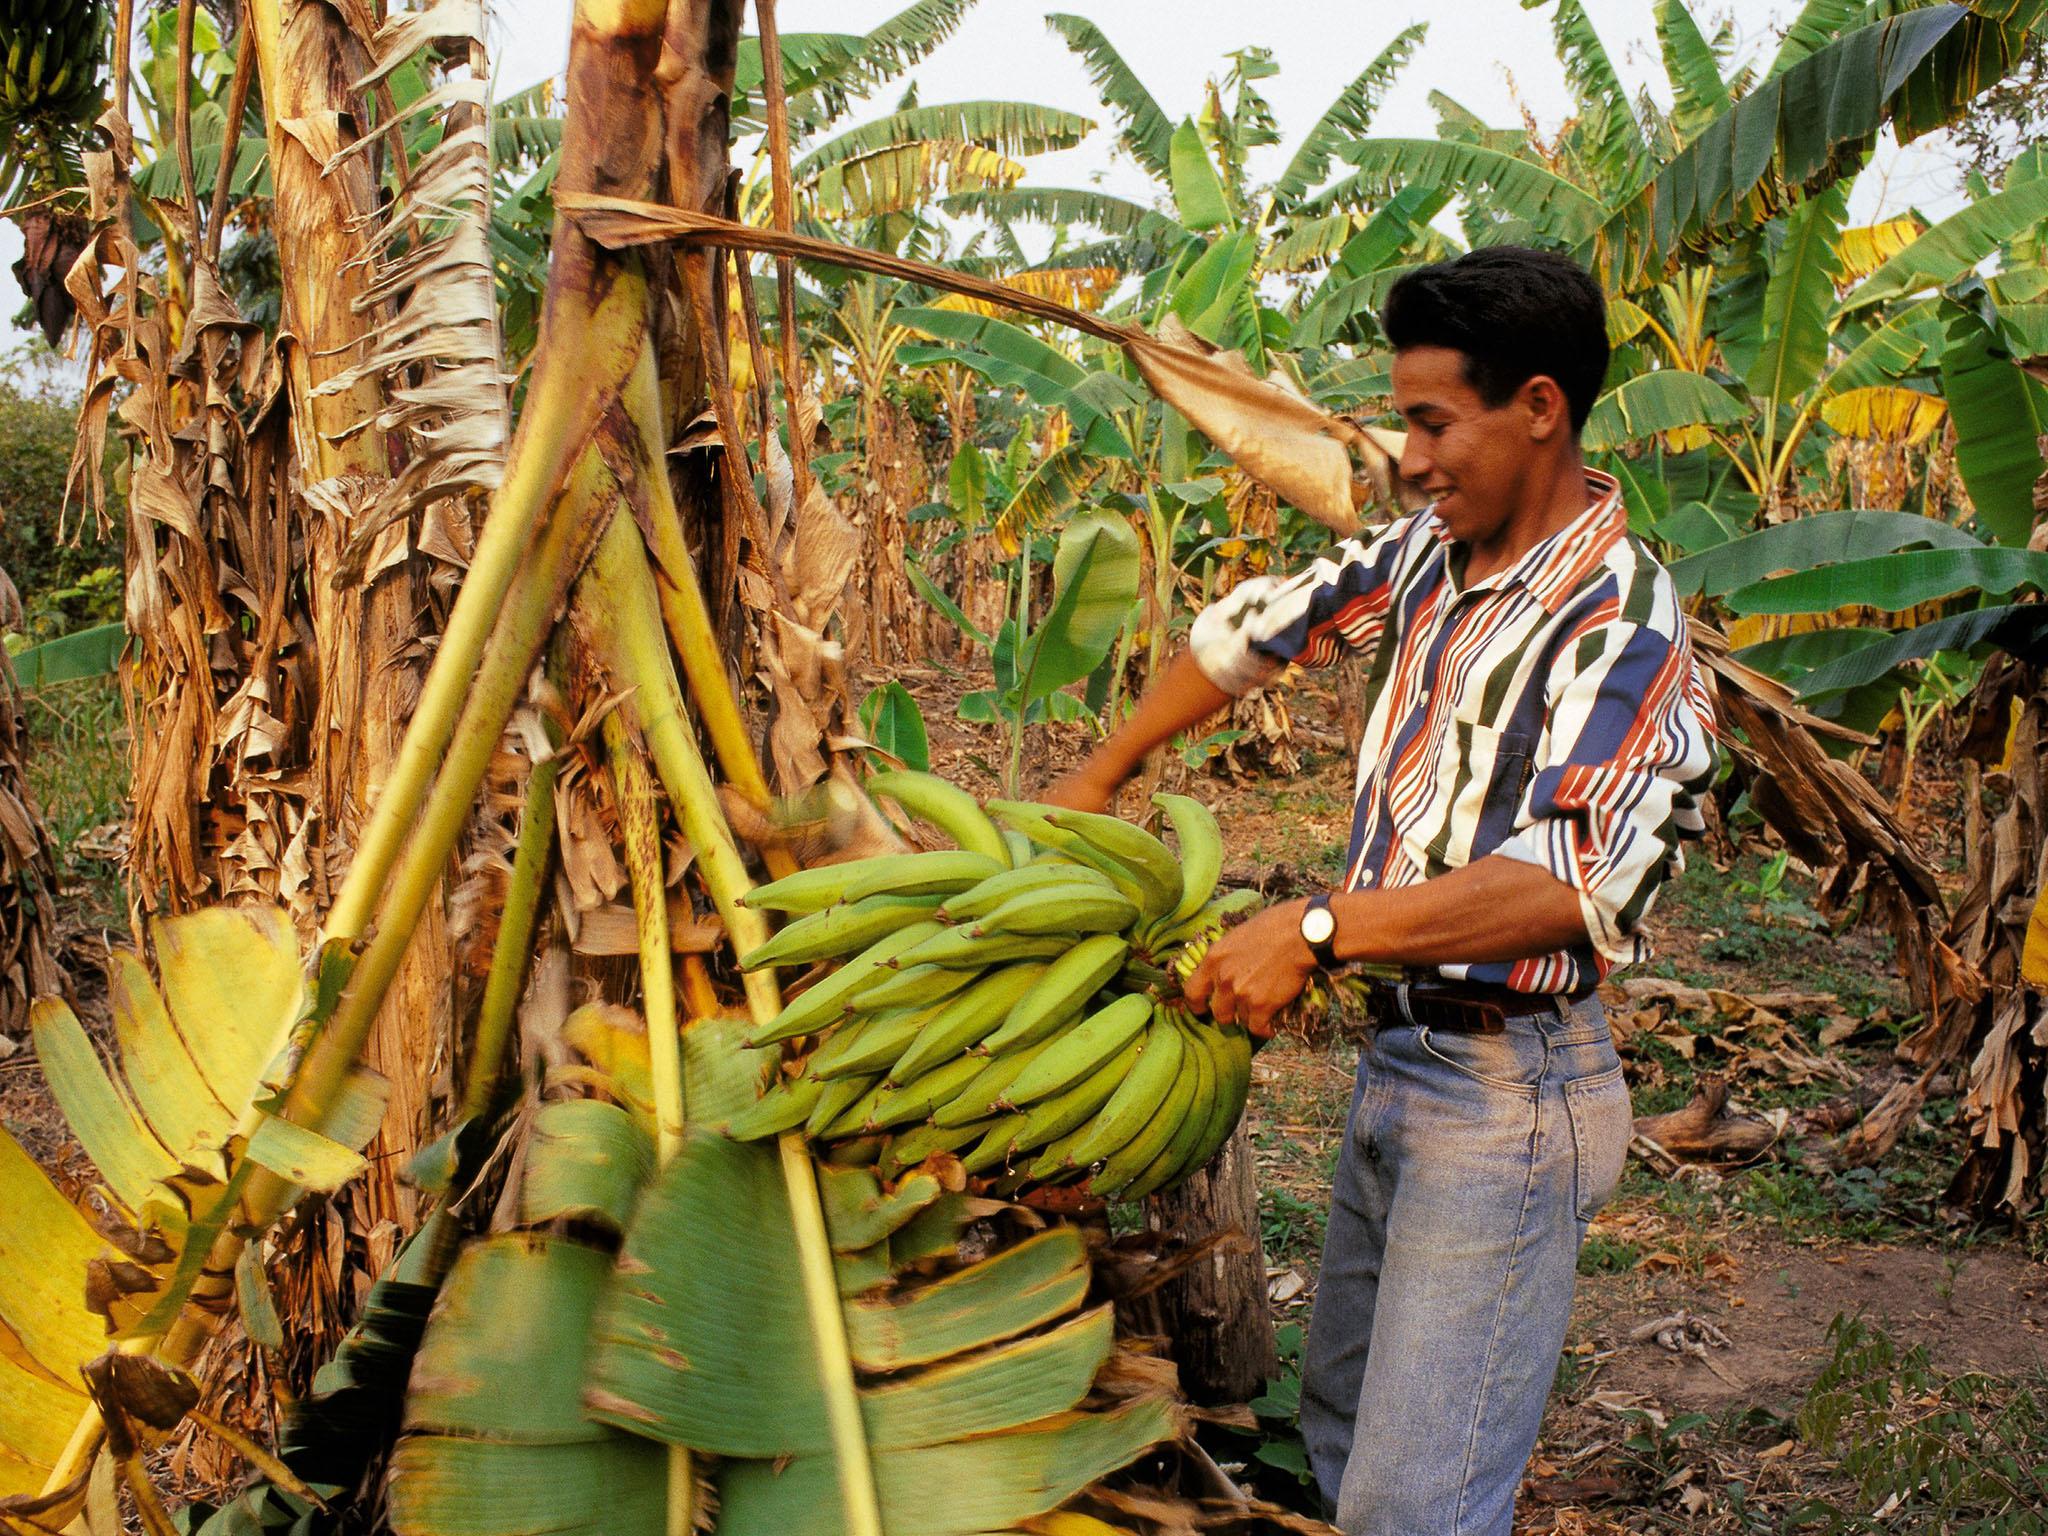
(51, 50)
(1011, 1000)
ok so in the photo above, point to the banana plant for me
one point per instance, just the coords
(1095, 574)
(547, 1390)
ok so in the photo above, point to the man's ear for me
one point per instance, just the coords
(1549, 411)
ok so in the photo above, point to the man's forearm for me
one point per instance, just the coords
(1493, 909)
(1183, 697)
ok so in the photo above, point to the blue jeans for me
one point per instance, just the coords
(1470, 1167)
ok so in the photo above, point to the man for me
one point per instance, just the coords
(1537, 741)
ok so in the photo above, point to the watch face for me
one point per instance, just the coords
(1317, 925)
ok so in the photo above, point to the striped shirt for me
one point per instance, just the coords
(1551, 713)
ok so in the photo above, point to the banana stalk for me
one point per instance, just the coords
(515, 938)
(621, 618)
(658, 1001)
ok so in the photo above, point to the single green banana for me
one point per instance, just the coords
(835, 1099)
(916, 874)
(967, 948)
(1201, 851)
(1079, 1052)
(826, 1000)
(1058, 1115)
(979, 900)
(917, 1099)
(782, 1108)
(946, 806)
(915, 987)
(808, 890)
(1138, 1097)
(977, 1097)
(1174, 1155)
(866, 1044)
(1231, 1049)
(1069, 982)
(1035, 822)
(964, 1019)
(1149, 860)
(1020, 847)
(840, 929)
(920, 1142)
(1136, 1155)
(1210, 919)
(1062, 910)
(995, 1145)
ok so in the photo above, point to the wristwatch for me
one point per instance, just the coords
(1319, 930)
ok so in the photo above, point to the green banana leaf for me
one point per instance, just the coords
(2021, 628)
(1215, 284)
(1356, 281)
(1954, 246)
(1818, 23)
(1049, 491)
(1807, 124)
(83, 654)
(1012, 128)
(1610, 139)
(1348, 117)
(1660, 401)
(890, 718)
(1146, 131)
(1821, 538)
(1997, 426)
(824, 72)
(1699, 94)
(1197, 189)
(1889, 352)
(1096, 569)
(1010, 356)
(1060, 206)
(1792, 345)
(1893, 583)
(1789, 658)
(1550, 204)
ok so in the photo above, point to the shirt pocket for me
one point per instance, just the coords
(1476, 759)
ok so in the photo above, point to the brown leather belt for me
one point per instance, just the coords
(1457, 1007)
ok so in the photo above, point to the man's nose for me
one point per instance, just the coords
(1415, 460)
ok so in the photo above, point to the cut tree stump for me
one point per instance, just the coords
(1215, 1315)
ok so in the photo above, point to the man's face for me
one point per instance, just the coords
(1470, 457)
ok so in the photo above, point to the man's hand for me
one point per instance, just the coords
(1254, 970)
(1087, 788)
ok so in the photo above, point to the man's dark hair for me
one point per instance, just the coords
(1514, 312)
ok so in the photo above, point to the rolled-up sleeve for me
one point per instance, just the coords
(1338, 604)
(1620, 776)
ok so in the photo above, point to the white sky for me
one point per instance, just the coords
(1491, 55)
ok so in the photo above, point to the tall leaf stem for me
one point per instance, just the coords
(557, 404)
(509, 956)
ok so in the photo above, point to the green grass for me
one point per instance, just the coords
(78, 772)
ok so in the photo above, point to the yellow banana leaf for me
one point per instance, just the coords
(1888, 411)
(1083, 287)
(1869, 246)
(173, 1126)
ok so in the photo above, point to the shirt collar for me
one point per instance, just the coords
(1553, 569)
